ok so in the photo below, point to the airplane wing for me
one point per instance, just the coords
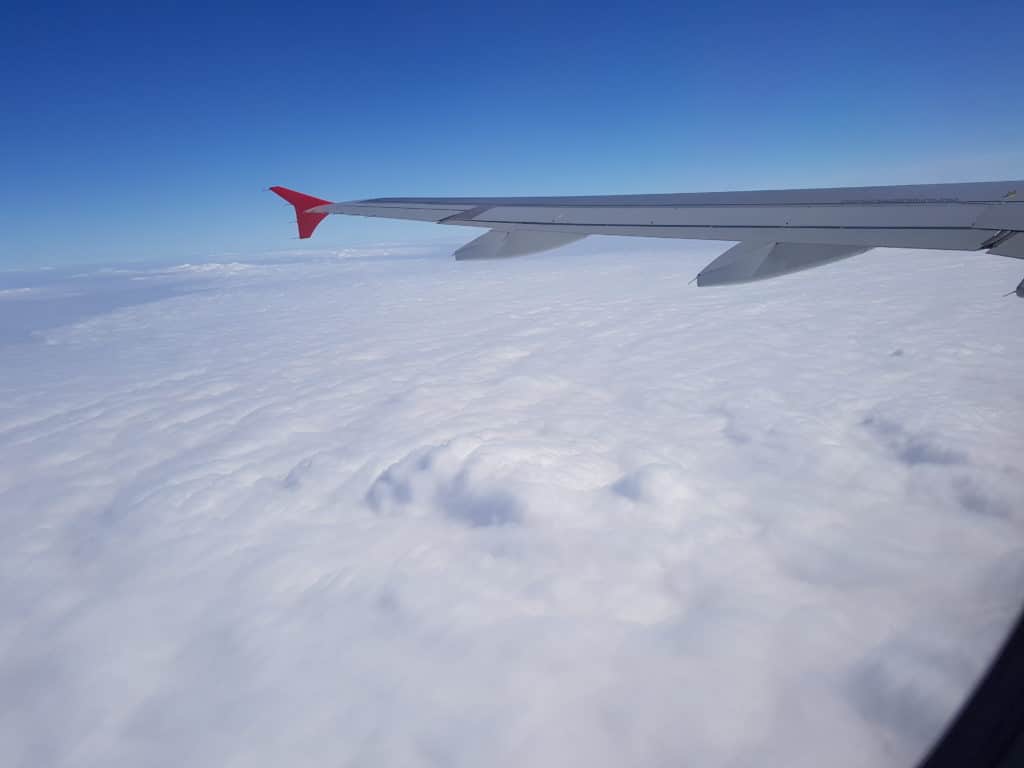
(778, 231)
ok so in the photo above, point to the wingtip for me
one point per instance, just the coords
(302, 203)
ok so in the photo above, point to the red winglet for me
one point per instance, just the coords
(302, 203)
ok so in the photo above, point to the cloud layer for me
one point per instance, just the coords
(386, 509)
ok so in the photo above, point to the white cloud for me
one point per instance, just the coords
(552, 511)
(14, 293)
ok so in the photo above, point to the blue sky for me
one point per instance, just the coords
(149, 131)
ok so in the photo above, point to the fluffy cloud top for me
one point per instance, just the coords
(386, 509)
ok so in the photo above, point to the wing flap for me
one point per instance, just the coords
(1005, 215)
(1012, 246)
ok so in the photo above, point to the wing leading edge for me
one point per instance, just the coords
(779, 231)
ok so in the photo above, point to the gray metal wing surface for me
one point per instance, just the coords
(778, 231)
